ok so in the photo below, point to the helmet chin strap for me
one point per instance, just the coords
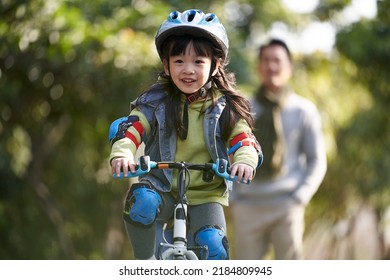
(200, 94)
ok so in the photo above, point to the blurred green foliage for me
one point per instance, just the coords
(70, 67)
(365, 141)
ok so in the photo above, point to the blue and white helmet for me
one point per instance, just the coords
(193, 22)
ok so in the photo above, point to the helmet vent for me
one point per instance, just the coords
(191, 15)
(174, 15)
(210, 18)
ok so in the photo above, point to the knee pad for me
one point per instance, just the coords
(142, 205)
(214, 238)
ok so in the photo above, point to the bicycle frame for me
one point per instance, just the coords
(179, 249)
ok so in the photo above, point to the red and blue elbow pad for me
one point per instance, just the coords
(119, 130)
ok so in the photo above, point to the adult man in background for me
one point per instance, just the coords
(271, 210)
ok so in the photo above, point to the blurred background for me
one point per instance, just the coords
(68, 68)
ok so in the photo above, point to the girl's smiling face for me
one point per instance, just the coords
(189, 70)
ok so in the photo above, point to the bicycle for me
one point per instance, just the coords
(180, 250)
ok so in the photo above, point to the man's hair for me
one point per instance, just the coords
(275, 42)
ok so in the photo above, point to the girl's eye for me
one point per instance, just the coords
(199, 61)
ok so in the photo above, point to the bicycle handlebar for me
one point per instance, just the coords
(220, 168)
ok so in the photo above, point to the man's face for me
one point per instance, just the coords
(274, 68)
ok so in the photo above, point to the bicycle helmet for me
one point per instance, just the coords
(193, 22)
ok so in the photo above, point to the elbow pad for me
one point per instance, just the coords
(118, 128)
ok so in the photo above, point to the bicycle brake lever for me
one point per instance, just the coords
(220, 167)
(144, 166)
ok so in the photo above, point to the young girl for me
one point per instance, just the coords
(193, 113)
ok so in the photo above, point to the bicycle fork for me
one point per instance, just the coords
(178, 250)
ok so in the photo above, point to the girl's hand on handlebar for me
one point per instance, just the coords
(243, 172)
(122, 164)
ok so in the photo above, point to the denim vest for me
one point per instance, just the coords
(162, 147)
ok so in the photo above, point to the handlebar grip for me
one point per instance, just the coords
(144, 166)
(220, 167)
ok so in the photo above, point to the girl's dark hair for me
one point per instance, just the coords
(237, 106)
